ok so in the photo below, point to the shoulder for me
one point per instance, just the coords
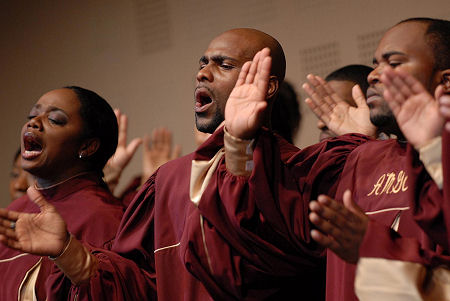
(374, 147)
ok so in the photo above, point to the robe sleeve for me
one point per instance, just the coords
(257, 222)
(275, 197)
(431, 207)
(126, 272)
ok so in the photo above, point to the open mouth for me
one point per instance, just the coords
(32, 146)
(202, 99)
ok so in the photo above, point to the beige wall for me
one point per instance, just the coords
(142, 55)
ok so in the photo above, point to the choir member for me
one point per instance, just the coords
(70, 134)
(385, 177)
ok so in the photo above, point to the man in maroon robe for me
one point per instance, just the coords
(385, 177)
(396, 267)
(229, 221)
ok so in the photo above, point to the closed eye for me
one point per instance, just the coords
(55, 121)
(226, 66)
(394, 64)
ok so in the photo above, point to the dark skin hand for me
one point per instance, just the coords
(43, 233)
(340, 227)
(415, 109)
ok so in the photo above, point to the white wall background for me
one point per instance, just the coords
(141, 55)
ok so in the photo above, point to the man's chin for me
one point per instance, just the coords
(207, 125)
(382, 120)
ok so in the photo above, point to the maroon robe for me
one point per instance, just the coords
(248, 238)
(432, 206)
(92, 215)
(385, 178)
(130, 191)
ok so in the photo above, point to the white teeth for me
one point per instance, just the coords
(30, 154)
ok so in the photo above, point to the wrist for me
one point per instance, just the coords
(111, 176)
(64, 248)
(76, 262)
(238, 154)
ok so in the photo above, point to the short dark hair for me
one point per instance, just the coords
(438, 34)
(99, 121)
(354, 73)
(286, 115)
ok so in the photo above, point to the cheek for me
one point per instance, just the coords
(421, 72)
(63, 143)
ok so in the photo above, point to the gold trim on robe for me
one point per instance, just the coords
(431, 157)
(384, 279)
(27, 287)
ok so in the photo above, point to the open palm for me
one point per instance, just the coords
(336, 113)
(244, 111)
(416, 111)
(41, 233)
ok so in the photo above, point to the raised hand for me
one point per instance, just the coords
(117, 163)
(245, 108)
(43, 233)
(158, 149)
(341, 228)
(444, 109)
(336, 113)
(416, 111)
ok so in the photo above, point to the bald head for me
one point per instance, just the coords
(251, 41)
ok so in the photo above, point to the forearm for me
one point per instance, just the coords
(111, 176)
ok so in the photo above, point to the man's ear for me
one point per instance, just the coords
(89, 147)
(445, 80)
(273, 86)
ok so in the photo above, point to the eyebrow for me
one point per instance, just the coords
(216, 58)
(49, 109)
(387, 55)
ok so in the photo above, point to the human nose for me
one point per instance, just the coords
(35, 122)
(205, 74)
(374, 75)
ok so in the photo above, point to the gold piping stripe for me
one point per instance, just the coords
(168, 247)
(13, 258)
(204, 244)
(386, 210)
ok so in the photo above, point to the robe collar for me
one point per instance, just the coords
(77, 183)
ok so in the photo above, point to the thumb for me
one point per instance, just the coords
(358, 96)
(134, 144)
(38, 199)
(350, 204)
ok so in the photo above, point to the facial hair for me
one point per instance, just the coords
(211, 126)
